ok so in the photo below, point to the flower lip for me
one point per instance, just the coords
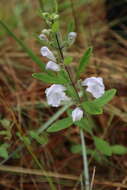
(95, 86)
(77, 114)
(93, 80)
(47, 53)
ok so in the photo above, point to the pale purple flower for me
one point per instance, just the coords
(53, 66)
(56, 95)
(77, 114)
(43, 37)
(71, 37)
(47, 53)
(95, 86)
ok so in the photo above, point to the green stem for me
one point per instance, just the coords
(85, 161)
(84, 154)
(66, 68)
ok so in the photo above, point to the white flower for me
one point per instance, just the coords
(71, 37)
(95, 86)
(52, 66)
(77, 114)
(55, 95)
(47, 53)
(43, 37)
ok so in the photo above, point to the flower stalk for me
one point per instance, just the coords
(85, 162)
(84, 154)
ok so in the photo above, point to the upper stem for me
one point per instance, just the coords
(66, 68)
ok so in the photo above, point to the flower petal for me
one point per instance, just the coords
(56, 95)
(53, 66)
(43, 37)
(77, 114)
(95, 86)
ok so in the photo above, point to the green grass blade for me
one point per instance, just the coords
(35, 58)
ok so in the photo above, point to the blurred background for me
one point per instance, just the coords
(101, 24)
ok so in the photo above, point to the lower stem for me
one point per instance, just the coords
(85, 162)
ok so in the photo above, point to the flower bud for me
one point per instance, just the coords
(46, 31)
(45, 14)
(54, 16)
(53, 66)
(72, 37)
(77, 114)
(43, 37)
(47, 53)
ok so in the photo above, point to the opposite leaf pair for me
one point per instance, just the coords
(56, 94)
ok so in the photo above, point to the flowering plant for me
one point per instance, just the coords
(87, 96)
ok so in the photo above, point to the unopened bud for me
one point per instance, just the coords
(46, 31)
(47, 53)
(77, 114)
(43, 37)
(53, 66)
(71, 37)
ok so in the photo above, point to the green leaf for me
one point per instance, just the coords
(26, 140)
(49, 79)
(76, 148)
(95, 107)
(68, 60)
(71, 92)
(92, 108)
(40, 139)
(4, 151)
(64, 75)
(32, 55)
(60, 125)
(6, 123)
(119, 149)
(103, 146)
(84, 124)
(84, 61)
(2, 132)
(108, 95)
